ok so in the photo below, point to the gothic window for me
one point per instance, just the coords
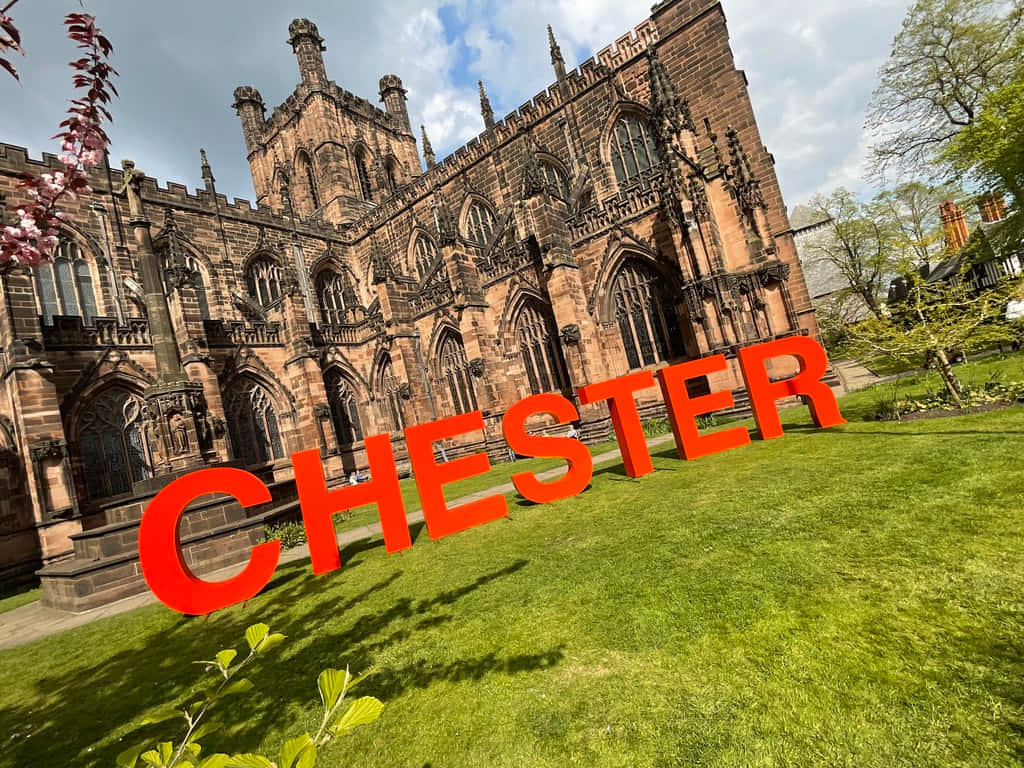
(66, 286)
(359, 157)
(342, 398)
(387, 384)
(480, 222)
(112, 443)
(425, 254)
(335, 296)
(556, 179)
(538, 345)
(306, 172)
(252, 423)
(264, 280)
(456, 378)
(632, 148)
(645, 315)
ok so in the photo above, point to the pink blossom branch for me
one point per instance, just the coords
(83, 140)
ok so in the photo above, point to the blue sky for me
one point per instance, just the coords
(811, 65)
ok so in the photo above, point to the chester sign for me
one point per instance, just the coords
(171, 580)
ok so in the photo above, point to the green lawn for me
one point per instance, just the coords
(18, 597)
(843, 597)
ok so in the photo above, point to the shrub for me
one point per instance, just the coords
(655, 427)
(291, 534)
(992, 391)
(300, 752)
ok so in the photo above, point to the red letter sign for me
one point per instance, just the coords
(163, 563)
(764, 393)
(431, 477)
(319, 505)
(683, 410)
(581, 465)
(628, 430)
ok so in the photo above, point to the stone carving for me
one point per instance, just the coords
(571, 334)
(476, 366)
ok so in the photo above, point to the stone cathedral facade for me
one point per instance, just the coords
(628, 217)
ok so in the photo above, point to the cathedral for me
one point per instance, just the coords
(626, 218)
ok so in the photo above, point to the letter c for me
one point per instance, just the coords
(163, 563)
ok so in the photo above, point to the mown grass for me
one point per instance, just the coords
(849, 596)
(19, 596)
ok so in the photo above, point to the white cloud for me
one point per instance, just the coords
(811, 66)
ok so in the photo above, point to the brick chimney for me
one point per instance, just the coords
(992, 207)
(954, 225)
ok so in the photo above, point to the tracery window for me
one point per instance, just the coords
(646, 316)
(455, 374)
(554, 177)
(264, 280)
(65, 287)
(538, 344)
(335, 296)
(425, 255)
(480, 222)
(342, 399)
(252, 422)
(112, 443)
(359, 157)
(387, 384)
(632, 148)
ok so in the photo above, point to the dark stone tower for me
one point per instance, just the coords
(392, 94)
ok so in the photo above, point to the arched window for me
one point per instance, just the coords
(264, 280)
(425, 255)
(336, 297)
(455, 375)
(342, 398)
(359, 157)
(252, 422)
(387, 385)
(646, 316)
(632, 148)
(66, 286)
(537, 339)
(554, 176)
(480, 222)
(112, 443)
(306, 173)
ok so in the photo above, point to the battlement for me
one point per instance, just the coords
(16, 160)
(283, 113)
(589, 73)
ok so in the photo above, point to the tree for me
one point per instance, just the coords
(858, 244)
(910, 212)
(83, 141)
(990, 151)
(935, 319)
(948, 56)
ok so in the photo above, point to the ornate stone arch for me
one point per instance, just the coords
(563, 185)
(518, 296)
(109, 436)
(343, 400)
(73, 283)
(621, 245)
(362, 162)
(306, 180)
(452, 370)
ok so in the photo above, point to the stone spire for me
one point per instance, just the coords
(428, 151)
(556, 55)
(485, 106)
(664, 103)
(743, 180)
(208, 179)
(383, 269)
(533, 177)
(447, 227)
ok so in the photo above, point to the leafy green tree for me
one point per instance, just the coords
(858, 244)
(910, 213)
(936, 320)
(990, 151)
(947, 58)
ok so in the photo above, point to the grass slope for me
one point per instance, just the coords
(842, 597)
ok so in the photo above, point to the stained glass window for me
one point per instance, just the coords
(112, 443)
(646, 316)
(252, 422)
(455, 375)
(632, 148)
(539, 348)
(342, 399)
